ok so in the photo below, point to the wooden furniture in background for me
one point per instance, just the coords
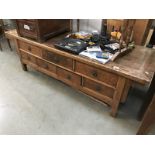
(3, 28)
(149, 119)
(114, 24)
(120, 31)
(42, 29)
(107, 83)
(141, 30)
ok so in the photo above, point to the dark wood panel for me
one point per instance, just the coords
(96, 73)
(58, 59)
(98, 88)
(69, 77)
(42, 29)
(26, 28)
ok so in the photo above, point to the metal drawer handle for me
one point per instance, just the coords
(68, 77)
(94, 73)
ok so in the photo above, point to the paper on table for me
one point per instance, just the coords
(92, 55)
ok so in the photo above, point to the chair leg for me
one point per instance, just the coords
(8, 41)
(0, 47)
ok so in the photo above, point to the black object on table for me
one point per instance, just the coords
(71, 45)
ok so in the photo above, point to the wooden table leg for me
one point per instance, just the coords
(24, 66)
(148, 99)
(148, 120)
(117, 96)
(8, 41)
(126, 90)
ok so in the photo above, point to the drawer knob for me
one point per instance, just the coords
(29, 48)
(94, 73)
(68, 77)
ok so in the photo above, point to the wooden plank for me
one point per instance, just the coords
(126, 90)
(117, 96)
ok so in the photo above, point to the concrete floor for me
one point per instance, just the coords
(33, 103)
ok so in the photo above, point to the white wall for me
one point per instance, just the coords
(88, 25)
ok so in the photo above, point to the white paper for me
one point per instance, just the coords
(92, 55)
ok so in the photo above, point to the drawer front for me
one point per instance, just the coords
(98, 74)
(30, 48)
(68, 77)
(58, 59)
(47, 66)
(27, 28)
(28, 57)
(32, 59)
(98, 88)
(24, 55)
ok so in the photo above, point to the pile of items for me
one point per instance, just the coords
(96, 46)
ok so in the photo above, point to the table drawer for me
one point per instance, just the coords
(27, 28)
(30, 48)
(97, 74)
(68, 77)
(58, 59)
(46, 65)
(97, 88)
(28, 57)
(24, 55)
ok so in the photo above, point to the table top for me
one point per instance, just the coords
(138, 65)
